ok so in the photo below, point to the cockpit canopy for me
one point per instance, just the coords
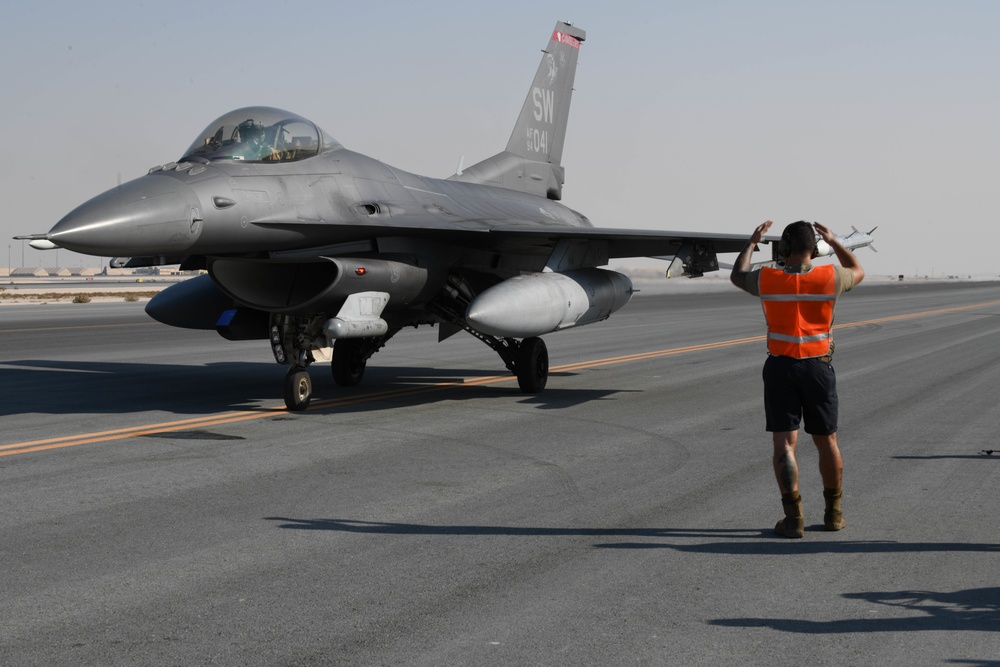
(260, 134)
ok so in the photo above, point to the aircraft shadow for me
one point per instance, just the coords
(751, 542)
(975, 609)
(970, 610)
(77, 387)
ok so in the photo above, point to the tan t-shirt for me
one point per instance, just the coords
(844, 278)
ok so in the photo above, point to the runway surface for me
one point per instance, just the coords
(160, 507)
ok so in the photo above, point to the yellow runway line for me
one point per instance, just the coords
(323, 404)
(80, 326)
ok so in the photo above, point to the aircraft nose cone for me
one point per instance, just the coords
(152, 215)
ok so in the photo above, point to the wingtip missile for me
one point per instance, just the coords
(856, 239)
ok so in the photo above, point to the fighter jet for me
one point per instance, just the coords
(327, 253)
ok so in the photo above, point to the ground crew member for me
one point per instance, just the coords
(798, 300)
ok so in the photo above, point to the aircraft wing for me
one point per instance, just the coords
(530, 237)
(623, 242)
(690, 254)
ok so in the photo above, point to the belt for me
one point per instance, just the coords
(826, 358)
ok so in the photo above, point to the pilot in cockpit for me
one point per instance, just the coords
(259, 134)
(251, 140)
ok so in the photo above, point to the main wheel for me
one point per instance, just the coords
(532, 365)
(348, 362)
(298, 389)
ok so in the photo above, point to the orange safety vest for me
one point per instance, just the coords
(798, 308)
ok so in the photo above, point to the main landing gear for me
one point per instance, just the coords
(349, 361)
(528, 359)
(532, 365)
(300, 341)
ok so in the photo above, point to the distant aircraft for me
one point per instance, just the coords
(328, 253)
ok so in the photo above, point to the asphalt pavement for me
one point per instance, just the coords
(160, 507)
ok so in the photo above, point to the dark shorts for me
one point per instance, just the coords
(800, 388)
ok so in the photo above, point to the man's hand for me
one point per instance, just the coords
(824, 233)
(758, 233)
(845, 256)
(742, 266)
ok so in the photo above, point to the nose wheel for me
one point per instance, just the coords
(298, 388)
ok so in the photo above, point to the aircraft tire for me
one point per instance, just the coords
(532, 365)
(298, 389)
(348, 364)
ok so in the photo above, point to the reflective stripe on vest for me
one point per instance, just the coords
(798, 308)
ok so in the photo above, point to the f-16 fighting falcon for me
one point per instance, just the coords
(327, 253)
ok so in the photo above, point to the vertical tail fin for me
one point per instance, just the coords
(541, 127)
(531, 162)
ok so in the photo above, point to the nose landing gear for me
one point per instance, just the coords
(299, 341)
(298, 388)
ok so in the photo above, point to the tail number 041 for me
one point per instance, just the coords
(538, 140)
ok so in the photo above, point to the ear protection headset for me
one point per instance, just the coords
(785, 242)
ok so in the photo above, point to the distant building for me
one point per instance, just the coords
(28, 272)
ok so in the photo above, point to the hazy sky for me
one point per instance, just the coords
(702, 115)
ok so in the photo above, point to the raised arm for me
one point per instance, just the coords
(846, 258)
(742, 266)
